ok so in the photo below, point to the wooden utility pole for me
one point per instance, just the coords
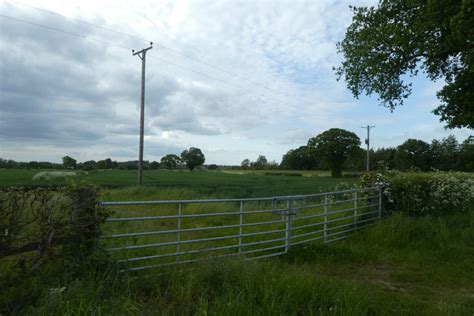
(142, 55)
(367, 141)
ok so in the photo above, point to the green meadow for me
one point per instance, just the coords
(403, 265)
(204, 183)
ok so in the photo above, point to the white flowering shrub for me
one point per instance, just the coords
(342, 186)
(425, 193)
(49, 175)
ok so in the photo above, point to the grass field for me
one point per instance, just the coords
(402, 266)
(303, 173)
(211, 183)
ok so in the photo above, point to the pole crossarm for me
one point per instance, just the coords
(142, 52)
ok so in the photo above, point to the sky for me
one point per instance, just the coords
(236, 79)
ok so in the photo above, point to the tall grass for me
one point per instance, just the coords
(204, 237)
(402, 266)
(417, 266)
(222, 288)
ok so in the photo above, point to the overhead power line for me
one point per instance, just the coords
(167, 48)
(224, 82)
(122, 47)
(155, 57)
(65, 32)
(79, 21)
(203, 74)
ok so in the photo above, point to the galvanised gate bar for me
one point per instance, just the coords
(152, 234)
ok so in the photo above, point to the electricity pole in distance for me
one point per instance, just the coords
(367, 142)
(142, 55)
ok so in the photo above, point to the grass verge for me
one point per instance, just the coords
(418, 266)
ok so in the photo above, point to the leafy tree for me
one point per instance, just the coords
(245, 164)
(261, 162)
(466, 155)
(436, 154)
(301, 158)
(384, 44)
(89, 165)
(308, 157)
(357, 161)
(192, 157)
(383, 158)
(69, 163)
(170, 161)
(154, 165)
(33, 165)
(335, 146)
(102, 164)
(289, 161)
(413, 153)
(213, 167)
(444, 153)
(272, 165)
(106, 164)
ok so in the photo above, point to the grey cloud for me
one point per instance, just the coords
(123, 153)
(82, 96)
(295, 137)
(122, 129)
(57, 89)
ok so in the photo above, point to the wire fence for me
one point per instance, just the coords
(152, 234)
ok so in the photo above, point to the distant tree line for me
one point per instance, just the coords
(12, 164)
(260, 164)
(444, 155)
(71, 163)
(190, 158)
(335, 150)
(340, 149)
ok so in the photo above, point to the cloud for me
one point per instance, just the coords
(64, 94)
(169, 135)
(296, 137)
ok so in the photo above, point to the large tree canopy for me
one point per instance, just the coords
(413, 153)
(170, 161)
(335, 146)
(69, 162)
(386, 44)
(193, 157)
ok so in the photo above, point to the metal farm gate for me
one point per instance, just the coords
(151, 234)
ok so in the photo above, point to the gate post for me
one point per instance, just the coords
(380, 204)
(325, 217)
(241, 215)
(288, 226)
(356, 196)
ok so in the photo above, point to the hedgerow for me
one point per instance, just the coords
(33, 223)
(419, 194)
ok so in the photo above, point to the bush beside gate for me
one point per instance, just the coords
(418, 194)
(35, 223)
